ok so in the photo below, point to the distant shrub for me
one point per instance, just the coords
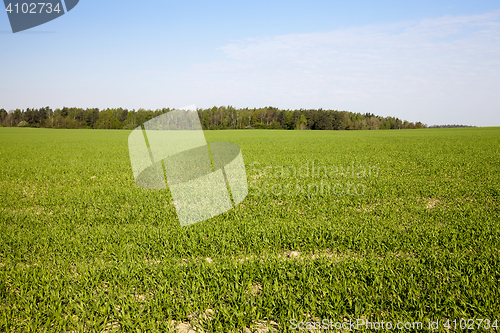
(275, 125)
(260, 126)
(23, 124)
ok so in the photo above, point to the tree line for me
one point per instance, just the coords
(449, 126)
(216, 118)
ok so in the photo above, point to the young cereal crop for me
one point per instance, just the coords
(339, 225)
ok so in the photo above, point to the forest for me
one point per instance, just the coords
(215, 118)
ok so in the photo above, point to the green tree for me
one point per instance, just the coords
(3, 117)
(17, 116)
(302, 123)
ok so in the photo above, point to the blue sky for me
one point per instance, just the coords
(435, 62)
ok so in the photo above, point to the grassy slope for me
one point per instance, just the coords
(82, 248)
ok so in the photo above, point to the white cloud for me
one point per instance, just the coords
(443, 70)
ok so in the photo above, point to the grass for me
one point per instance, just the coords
(83, 249)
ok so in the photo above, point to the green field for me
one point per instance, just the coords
(414, 236)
